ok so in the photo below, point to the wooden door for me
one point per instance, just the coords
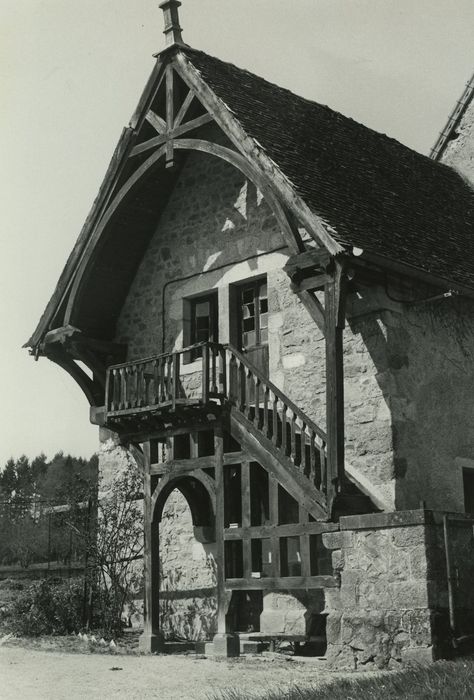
(253, 322)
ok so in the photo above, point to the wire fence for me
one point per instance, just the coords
(43, 536)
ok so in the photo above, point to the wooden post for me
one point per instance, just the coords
(152, 639)
(334, 325)
(225, 643)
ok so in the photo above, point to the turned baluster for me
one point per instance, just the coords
(312, 457)
(293, 453)
(256, 390)
(205, 374)
(266, 397)
(322, 456)
(248, 391)
(303, 447)
(284, 429)
(275, 420)
(175, 365)
(222, 373)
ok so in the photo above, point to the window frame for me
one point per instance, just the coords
(190, 322)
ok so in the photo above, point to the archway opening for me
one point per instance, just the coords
(188, 602)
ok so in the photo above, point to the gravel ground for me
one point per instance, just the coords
(48, 675)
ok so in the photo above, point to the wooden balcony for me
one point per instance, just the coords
(163, 384)
(168, 392)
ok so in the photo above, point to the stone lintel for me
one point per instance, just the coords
(401, 518)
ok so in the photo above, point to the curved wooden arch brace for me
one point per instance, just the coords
(232, 157)
(202, 502)
(93, 393)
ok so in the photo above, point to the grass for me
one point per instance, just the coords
(444, 680)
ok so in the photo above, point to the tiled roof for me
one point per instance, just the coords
(372, 191)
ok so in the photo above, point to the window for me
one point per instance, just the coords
(203, 322)
(253, 314)
(468, 483)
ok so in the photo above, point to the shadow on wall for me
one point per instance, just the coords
(421, 402)
(214, 217)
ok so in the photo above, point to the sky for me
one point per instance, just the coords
(71, 74)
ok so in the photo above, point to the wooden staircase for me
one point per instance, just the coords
(151, 394)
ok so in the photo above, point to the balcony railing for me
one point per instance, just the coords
(158, 382)
(226, 375)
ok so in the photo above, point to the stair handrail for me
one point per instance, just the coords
(150, 358)
(277, 392)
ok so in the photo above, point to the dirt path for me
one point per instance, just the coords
(28, 674)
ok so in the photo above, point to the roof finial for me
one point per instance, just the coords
(172, 30)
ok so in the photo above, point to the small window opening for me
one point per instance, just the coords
(468, 484)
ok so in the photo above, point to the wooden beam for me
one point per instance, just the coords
(170, 97)
(314, 307)
(184, 108)
(151, 637)
(156, 122)
(291, 530)
(334, 307)
(282, 583)
(310, 283)
(313, 259)
(274, 518)
(182, 466)
(222, 597)
(236, 457)
(93, 391)
(173, 134)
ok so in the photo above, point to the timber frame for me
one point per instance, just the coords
(141, 401)
(173, 117)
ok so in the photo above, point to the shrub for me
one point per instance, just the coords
(47, 607)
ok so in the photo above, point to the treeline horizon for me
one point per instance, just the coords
(55, 479)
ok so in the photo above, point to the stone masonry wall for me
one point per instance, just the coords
(381, 615)
(392, 604)
(407, 368)
(459, 152)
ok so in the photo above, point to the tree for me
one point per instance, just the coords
(115, 545)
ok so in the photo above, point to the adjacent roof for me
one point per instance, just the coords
(372, 191)
(454, 119)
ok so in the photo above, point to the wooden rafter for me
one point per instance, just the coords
(156, 122)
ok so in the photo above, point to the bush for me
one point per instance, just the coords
(47, 607)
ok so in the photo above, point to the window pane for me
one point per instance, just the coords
(247, 295)
(202, 308)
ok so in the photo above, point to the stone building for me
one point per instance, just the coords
(275, 304)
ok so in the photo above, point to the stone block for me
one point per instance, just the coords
(333, 628)
(149, 643)
(418, 655)
(408, 594)
(332, 540)
(332, 599)
(337, 560)
(226, 645)
(408, 536)
(340, 657)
